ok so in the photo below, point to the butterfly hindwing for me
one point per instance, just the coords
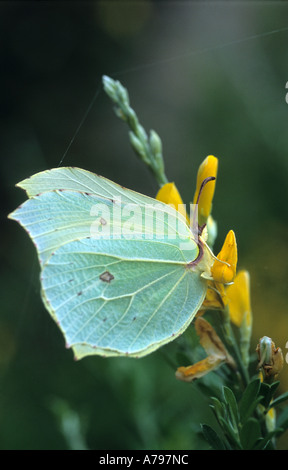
(118, 305)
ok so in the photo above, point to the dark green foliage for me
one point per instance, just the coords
(212, 437)
(229, 101)
(243, 423)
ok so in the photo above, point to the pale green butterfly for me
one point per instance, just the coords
(115, 279)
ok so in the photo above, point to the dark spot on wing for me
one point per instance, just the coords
(106, 276)
(80, 293)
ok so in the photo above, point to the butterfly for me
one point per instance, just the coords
(121, 273)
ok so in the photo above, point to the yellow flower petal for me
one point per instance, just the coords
(209, 339)
(190, 373)
(238, 295)
(224, 267)
(169, 194)
(207, 168)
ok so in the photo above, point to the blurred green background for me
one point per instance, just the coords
(207, 79)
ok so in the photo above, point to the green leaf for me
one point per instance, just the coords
(266, 442)
(279, 400)
(230, 433)
(274, 387)
(249, 400)
(282, 420)
(265, 391)
(232, 406)
(212, 438)
(217, 408)
(112, 290)
(250, 433)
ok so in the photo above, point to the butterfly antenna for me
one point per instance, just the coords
(203, 184)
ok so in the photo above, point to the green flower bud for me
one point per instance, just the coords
(138, 146)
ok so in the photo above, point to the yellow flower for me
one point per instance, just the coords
(215, 349)
(224, 267)
(207, 169)
(238, 295)
(238, 298)
(169, 194)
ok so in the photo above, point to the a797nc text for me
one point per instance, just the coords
(147, 459)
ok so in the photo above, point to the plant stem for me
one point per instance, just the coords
(148, 148)
(232, 344)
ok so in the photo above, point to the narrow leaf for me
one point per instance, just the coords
(274, 387)
(266, 392)
(265, 442)
(212, 437)
(279, 400)
(249, 400)
(217, 408)
(230, 433)
(250, 433)
(282, 420)
(232, 405)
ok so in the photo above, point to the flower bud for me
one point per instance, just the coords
(169, 194)
(270, 358)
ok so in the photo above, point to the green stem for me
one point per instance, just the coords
(148, 148)
(232, 345)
